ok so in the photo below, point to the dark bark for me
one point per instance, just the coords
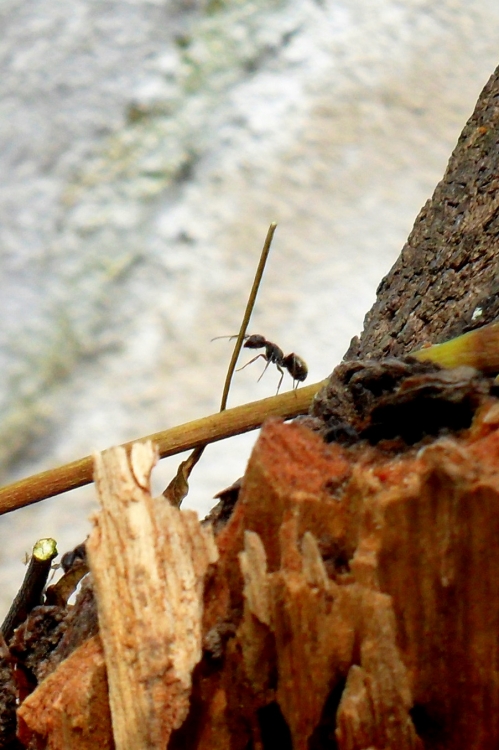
(445, 281)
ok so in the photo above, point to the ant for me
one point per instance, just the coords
(273, 354)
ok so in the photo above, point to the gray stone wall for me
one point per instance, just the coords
(145, 147)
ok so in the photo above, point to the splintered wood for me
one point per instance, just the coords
(315, 624)
(148, 562)
(350, 602)
(70, 708)
(355, 603)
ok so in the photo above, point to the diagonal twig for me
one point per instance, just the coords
(169, 442)
(247, 313)
(179, 485)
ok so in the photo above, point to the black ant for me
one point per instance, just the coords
(273, 354)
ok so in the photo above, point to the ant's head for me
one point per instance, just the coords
(255, 341)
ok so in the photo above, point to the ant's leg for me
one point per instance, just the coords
(253, 360)
(265, 368)
(282, 375)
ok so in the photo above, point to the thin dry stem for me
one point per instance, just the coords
(169, 442)
(247, 313)
(179, 486)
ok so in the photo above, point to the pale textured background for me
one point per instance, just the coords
(145, 147)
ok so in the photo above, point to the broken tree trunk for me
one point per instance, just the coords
(353, 605)
(352, 601)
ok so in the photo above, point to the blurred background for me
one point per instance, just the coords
(145, 146)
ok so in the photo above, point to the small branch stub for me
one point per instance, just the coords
(30, 593)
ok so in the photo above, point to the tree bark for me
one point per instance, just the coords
(446, 278)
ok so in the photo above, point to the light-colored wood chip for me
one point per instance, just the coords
(148, 561)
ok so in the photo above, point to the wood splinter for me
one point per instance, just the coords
(148, 561)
